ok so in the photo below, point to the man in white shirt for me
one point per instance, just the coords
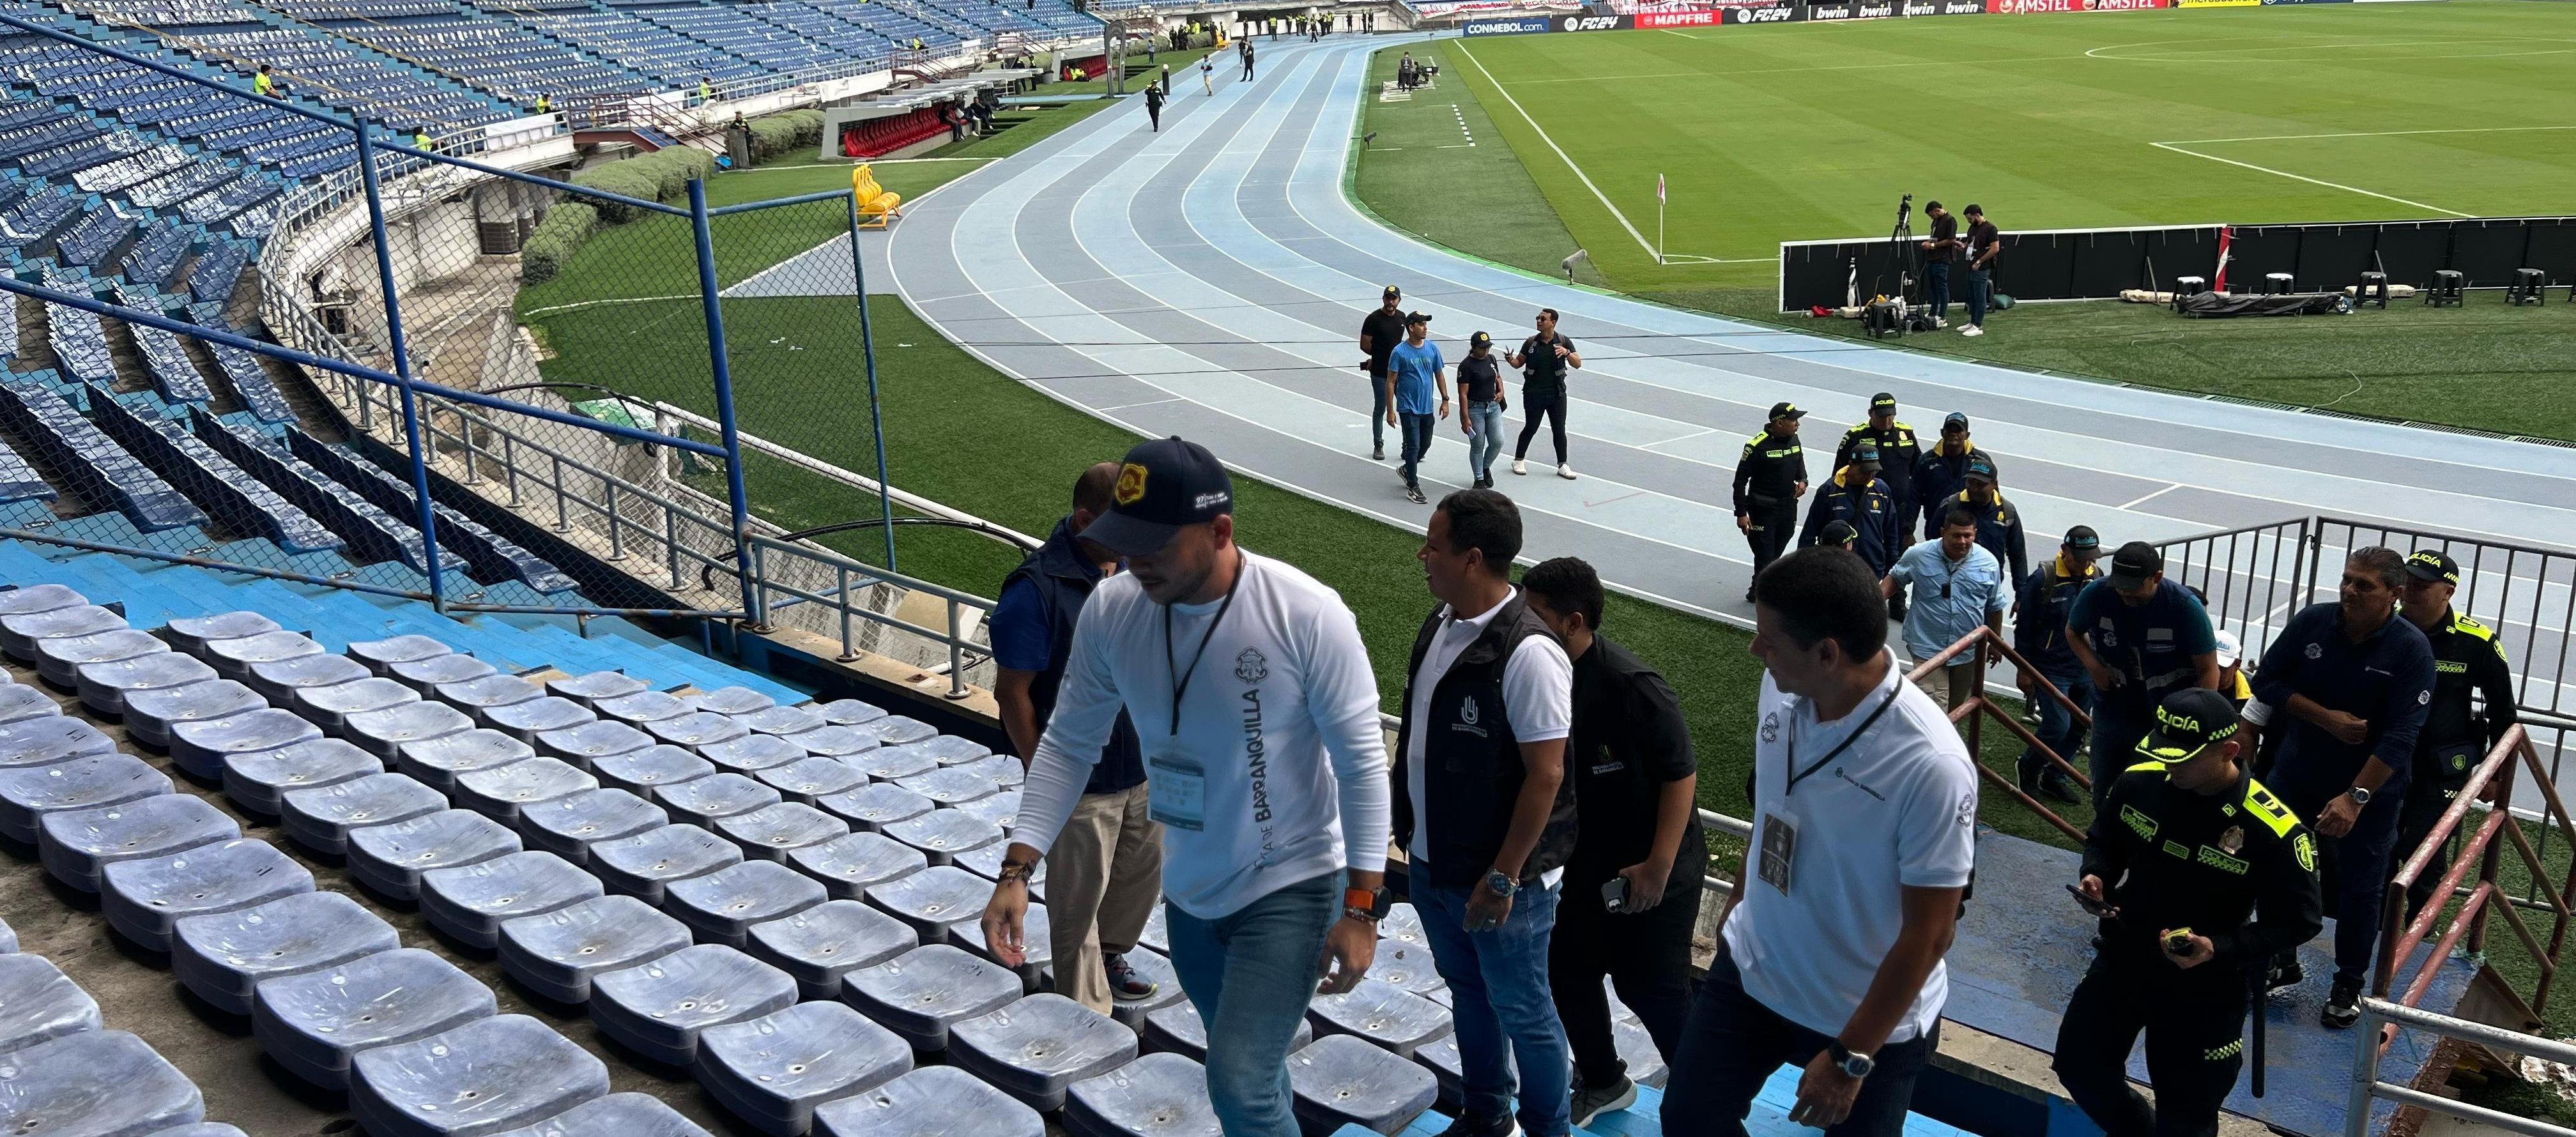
(1486, 814)
(1865, 809)
(1257, 711)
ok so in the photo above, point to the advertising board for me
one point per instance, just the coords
(1508, 26)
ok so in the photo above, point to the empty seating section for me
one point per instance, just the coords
(99, 468)
(898, 27)
(240, 501)
(178, 13)
(359, 81)
(871, 137)
(492, 556)
(492, 54)
(250, 379)
(763, 43)
(155, 257)
(39, 213)
(372, 534)
(814, 23)
(652, 49)
(362, 9)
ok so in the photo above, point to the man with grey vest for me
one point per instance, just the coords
(1483, 807)
(1108, 861)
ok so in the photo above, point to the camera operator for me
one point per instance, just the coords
(1938, 251)
(1983, 242)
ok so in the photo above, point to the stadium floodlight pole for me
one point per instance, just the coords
(868, 359)
(397, 340)
(754, 609)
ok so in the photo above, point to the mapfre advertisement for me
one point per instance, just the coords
(1700, 19)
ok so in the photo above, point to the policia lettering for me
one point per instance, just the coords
(2187, 847)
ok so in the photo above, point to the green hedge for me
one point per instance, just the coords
(630, 178)
(555, 240)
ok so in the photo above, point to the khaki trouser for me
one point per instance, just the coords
(1948, 686)
(1104, 876)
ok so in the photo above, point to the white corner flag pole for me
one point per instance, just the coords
(1659, 219)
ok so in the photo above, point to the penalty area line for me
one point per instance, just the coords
(2178, 149)
(1622, 218)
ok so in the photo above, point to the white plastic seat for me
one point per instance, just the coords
(644, 865)
(502, 791)
(384, 733)
(1403, 925)
(488, 1075)
(933, 899)
(558, 953)
(848, 865)
(827, 941)
(850, 712)
(391, 858)
(97, 1083)
(585, 744)
(470, 902)
(832, 740)
(314, 1024)
(696, 730)
(236, 657)
(192, 633)
(941, 834)
(871, 808)
(592, 688)
(1004, 771)
(525, 721)
(1410, 969)
(426, 675)
(752, 753)
(889, 765)
(659, 1008)
(923, 992)
(142, 898)
(38, 1003)
(568, 826)
(895, 730)
(933, 1101)
(946, 749)
(104, 687)
(782, 720)
(77, 845)
(60, 658)
(999, 810)
(48, 739)
(641, 707)
(377, 655)
(701, 801)
(770, 832)
(948, 786)
(330, 707)
(27, 793)
(150, 714)
(259, 781)
(1175, 1027)
(806, 780)
(1381, 1013)
(1154, 1096)
(1341, 1080)
(617, 1115)
(200, 747)
(645, 772)
(438, 762)
(225, 956)
(320, 818)
(721, 906)
(279, 679)
(731, 701)
(773, 1071)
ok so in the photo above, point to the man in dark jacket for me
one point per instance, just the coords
(1943, 471)
(1106, 869)
(1998, 523)
(1154, 105)
(1770, 477)
(1897, 454)
(1637, 827)
(2039, 634)
(1858, 494)
(2467, 657)
(1482, 804)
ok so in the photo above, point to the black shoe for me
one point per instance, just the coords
(1413, 494)
(2343, 1005)
(1377, 453)
(2284, 976)
(1469, 1125)
(1590, 1103)
(2039, 779)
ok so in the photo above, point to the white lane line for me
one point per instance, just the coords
(2311, 181)
(1146, 403)
(2363, 134)
(1560, 151)
(2152, 496)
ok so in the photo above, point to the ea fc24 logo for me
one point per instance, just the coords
(1590, 23)
(1131, 484)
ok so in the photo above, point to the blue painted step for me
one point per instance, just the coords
(1769, 1118)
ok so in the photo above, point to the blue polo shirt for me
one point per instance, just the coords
(2151, 645)
(1414, 368)
(1950, 598)
(2385, 680)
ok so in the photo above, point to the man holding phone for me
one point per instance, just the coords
(2177, 948)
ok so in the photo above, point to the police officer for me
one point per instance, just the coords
(2466, 655)
(2039, 634)
(2188, 845)
(1769, 480)
(1998, 523)
(1942, 472)
(1859, 496)
(1897, 453)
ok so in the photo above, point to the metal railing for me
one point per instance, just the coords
(2380, 1016)
(2491, 784)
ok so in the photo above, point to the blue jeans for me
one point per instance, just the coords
(1981, 287)
(1734, 1043)
(2116, 731)
(2056, 723)
(1503, 1007)
(1484, 436)
(1417, 441)
(1936, 287)
(1250, 974)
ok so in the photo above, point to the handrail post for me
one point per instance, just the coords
(2365, 1071)
(616, 540)
(957, 688)
(394, 336)
(753, 610)
(849, 648)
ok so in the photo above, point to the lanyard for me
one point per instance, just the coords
(1797, 775)
(1181, 678)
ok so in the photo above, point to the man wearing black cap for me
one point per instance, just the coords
(1415, 370)
(1898, 451)
(2187, 847)
(1838, 535)
(1982, 242)
(1480, 392)
(1941, 248)
(1998, 523)
(1544, 358)
(1859, 498)
(1379, 333)
(2039, 634)
(2457, 735)
(1943, 471)
(2138, 636)
(1254, 702)
(1769, 479)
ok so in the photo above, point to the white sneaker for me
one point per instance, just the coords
(1564, 471)
(1938, 323)
(1519, 467)
(1972, 330)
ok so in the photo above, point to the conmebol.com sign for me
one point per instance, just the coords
(1510, 26)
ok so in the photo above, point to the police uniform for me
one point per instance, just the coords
(1767, 478)
(1898, 451)
(2173, 859)
(2466, 656)
(1862, 499)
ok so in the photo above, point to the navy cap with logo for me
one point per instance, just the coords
(2133, 564)
(1480, 339)
(1163, 486)
(1786, 410)
(2432, 564)
(1838, 533)
(1393, 291)
(2082, 537)
(1416, 318)
(1865, 454)
(1980, 468)
(1958, 419)
(2188, 721)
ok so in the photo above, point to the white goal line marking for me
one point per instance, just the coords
(2311, 181)
(1622, 218)
(2180, 148)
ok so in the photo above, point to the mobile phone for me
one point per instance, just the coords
(2091, 906)
(1614, 893)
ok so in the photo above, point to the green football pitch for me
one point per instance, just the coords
(2313, 112)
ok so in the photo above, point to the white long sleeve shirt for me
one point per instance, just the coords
(1275, 751)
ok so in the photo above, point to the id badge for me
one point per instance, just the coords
(1779, 850)
(1176, 790)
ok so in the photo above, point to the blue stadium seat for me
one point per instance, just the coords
(589, 688)
(923, 992)
(144, 897)
(38, 1003)
(1155, 1094)
(1341, 1080)
(771, 832)
(371, 534)
(192, 633)
(502, 791)
(149, 715)
(96, 1081)
(234, 657)
(773, 1071)
(77, 845)
(490, 1074)
(871, 808)
(585, 744)
(19, 633)
(849, 865)
(387, 731)
(645, 865)
(473, 696)
(320, 819)
(73, 443)
(933, 1101)
(568, 826)
(660, 1008)
(425, 675)
(28, 793)
(439, 761)
(1176, 1028)
(188, 463)
(378, 655)
(1382, 1014)
(60, 658)
(701, 801)
(490, 556)
(753, 753)
(470, 902)
(224, 957)
(391, 858)
(558, 954)
(821, 944)
(721, 906)
(316, 1023)
(200, 747)
(44, 740)
(645, 773)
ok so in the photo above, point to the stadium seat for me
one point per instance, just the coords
(752, 753)
(808, 779)
(933, 899)
(259, 781)
(425, 675)
(659, 1008)
(701, 801)
(439, 761)
(191, 633)
(850, 712)
(278, 680)
(584, 745)
(77, 845)
(202, 746)
(1341, 1080)
(645, 773)
(770, 832)
(378, 655)
(947, 749)
(234, 657)
(773, 1071)
(150, 714)
(391, 858)
(945, 786)
(895, 730)
(103, 1082)
(104, 686)
(525, 721)
(1155, 1094)
(490, 1074)
(385, 732)
(59, 658)
(640, 707)
(568, 826)
(999, 811)
(696, 730)
(1403, 924)
(470, 902)
(849, 865)
(20, 631)
(885, 763)
(314, 1024)
(1037, 1048)
(46, 740)
(38, 1003)
(986, 862)
(832, 740)
(142, 898)
(617, 1115)
(320, 819)
(730, 701)
(30, 598)
(721, 906)
(557, 954)
(1004, 771)
(820, 945)
(1037, 946)
(1381, 1013)
(502, 791)
(224, 957)
(1410, 969)
(779, 720)
(592, 688)
(475, 696)
(645, 865)
(923, 992)
(28, 793)
(330, 707)
(941, 834)
(1175, 1027)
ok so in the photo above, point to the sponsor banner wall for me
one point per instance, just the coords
(1592, 23)
(2217, 3)
(2027, 7)
(1700, 19)
(2268, 3)
(1774, 14)
(1508, 25)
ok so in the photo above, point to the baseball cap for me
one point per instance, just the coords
(1392, 290)
(2188, 721)
(1957, 419)
(2432, 564)
(1416, 318)
(1865, 453)
(2083, 537)
(1786, 410)
(1480, 339)
(1882, 401)
(1838, 533)
(1980, 468)
(1163, 485)
(2230, 649)
(2133, 564)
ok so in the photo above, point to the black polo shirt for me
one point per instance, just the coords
(1629, 739)
(1478, 380)
(1385, 330)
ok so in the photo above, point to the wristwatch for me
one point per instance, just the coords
(1851, 1062)
(1364, 903)
(1501, 883)
(2358, 795)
